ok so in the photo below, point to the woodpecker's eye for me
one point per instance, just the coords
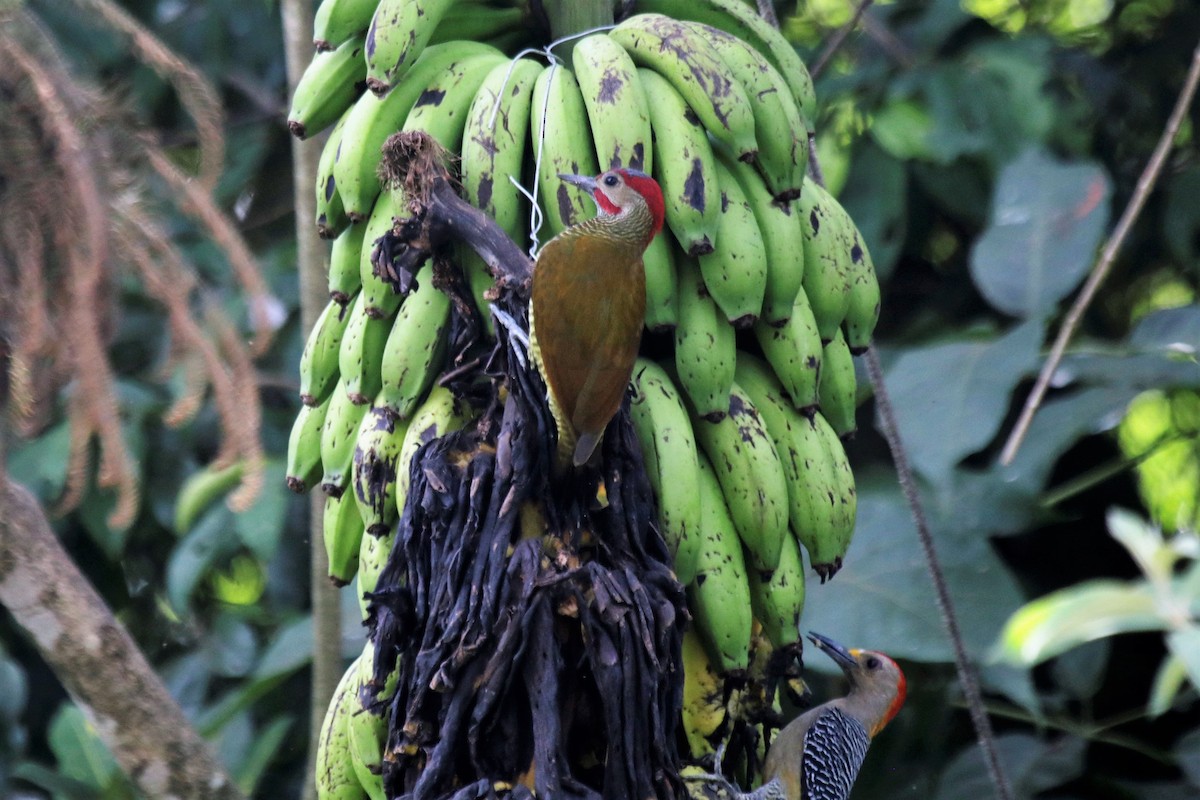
(872, 663)
(610, 180)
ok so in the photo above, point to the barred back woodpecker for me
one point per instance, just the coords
(587, 305)
(817, 755)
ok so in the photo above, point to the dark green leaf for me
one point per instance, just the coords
(289, 651)
(1173, 329)
(232, 647)
(1047, 221)
(211, 538)
(261, 526)
(80, 753)
(262, 752)
(1031, 766)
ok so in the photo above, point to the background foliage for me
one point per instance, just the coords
(984, 148)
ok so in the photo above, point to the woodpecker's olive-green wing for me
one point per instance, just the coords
(588, 303)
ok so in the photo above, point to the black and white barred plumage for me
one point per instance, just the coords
(834, 749)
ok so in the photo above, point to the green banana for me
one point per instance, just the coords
(779, 225)
(319, 360)
(684, 165)
(563, 141)
(303, 465)
(832, 549)
(398, 34)
(415, 347)
(705, 346)
(735, 272)
(478, 22)
(377, 295)
(331, 213)
(368, 729)
(828, 256)
(743, 454)
(201, 489)
(442, 109)
(809, 471)
(863, 311)
(838, 388)
(617, 109)
(345, 281)
(703, 696)
(373, 119)
(336, 21)
(439, 414)
(330, 84)
(493, 149)
(335, 778)
(338, 436)
(376, 464)
(795, 352)
(742, 20)
(669, 452)
(662, 285)
(780, 129)
(372, 558)
(342, 528)
(692, 65)
(778, 598)
(361, 353)
(719, 598)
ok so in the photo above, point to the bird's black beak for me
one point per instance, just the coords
(582, 181)
(834, 650)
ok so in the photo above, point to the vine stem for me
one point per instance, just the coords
(310, 256)
(838, 39)
(1108, 255)
(962, 662)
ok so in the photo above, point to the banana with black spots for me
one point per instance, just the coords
(345, 278)
(331, 213)
(368, 727)
(319, 369)
(416, 346)
(743, 21)
(335, 778)
(705, 346)
(838, 388)
(563, 140)
(342, 529)
(617, 109)
(439, 414)
(373, 119)
(719, 597)
(778, 125)
(686, 59)
(303, 464)
(372, 558)
(361, 353)
(338, 435)
(778, 598)
(830, 549)
(442, 109)
(684, 165)
(743, 454)
(735, 272)
(376, 466)
(829, 245)
(863, 311)
(398, 34)
(662, 285)
(664, 432)
(703, 708)
(493, 148)
(794, 351)
(330, 84)
(378, 298)
(779, 224)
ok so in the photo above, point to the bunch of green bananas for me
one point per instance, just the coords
(741, 435)
(349, 763)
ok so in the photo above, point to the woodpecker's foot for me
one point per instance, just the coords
(515, 332)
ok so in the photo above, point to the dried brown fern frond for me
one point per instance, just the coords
(76, 209)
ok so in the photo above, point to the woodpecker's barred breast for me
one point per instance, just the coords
(834, 749)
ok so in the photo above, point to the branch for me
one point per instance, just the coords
(1145, 185)
(326, 605)
(838, 39)
(97, 661)
(962, 662)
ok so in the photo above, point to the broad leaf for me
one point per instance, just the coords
(211, 538)
(1173, 329)
(1185, 646)
(1047, 221)
(1030, 764)
(951, 398)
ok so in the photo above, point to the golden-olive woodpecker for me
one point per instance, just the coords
(587, 305)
